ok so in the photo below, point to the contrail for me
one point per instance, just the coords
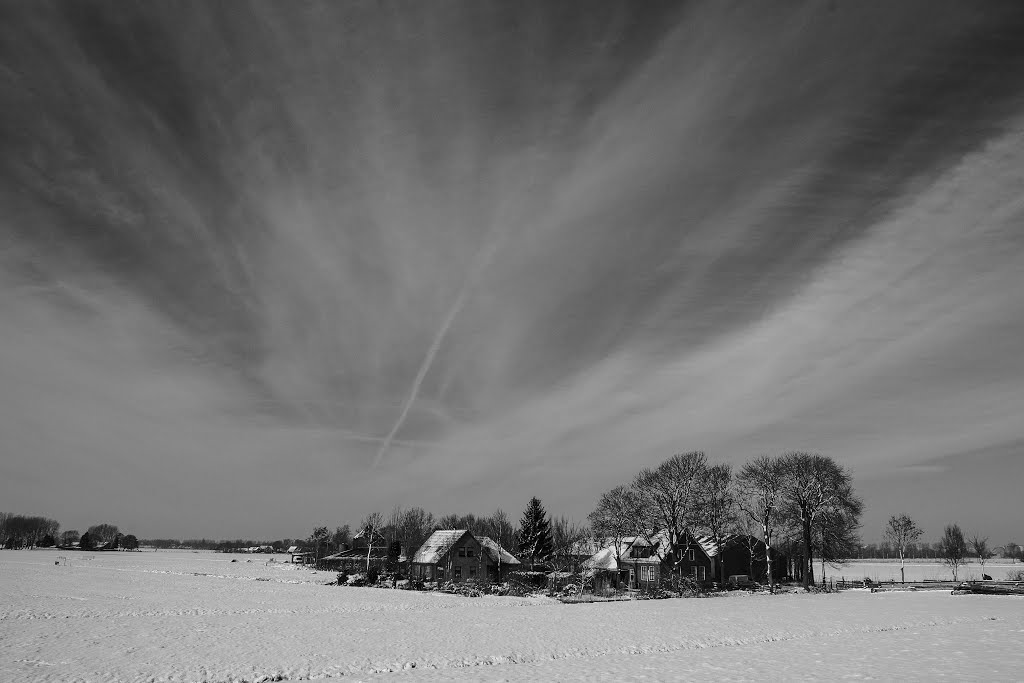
(482, 260)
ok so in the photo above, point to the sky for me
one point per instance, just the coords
(265, 266)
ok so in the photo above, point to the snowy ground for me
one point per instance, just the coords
(179, 616)
(920, 570)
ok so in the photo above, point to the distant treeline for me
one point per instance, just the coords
(25, 531)
(28, 531)
(222, 546)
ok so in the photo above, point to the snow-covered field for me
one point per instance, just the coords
(181, 616)
(920, 570)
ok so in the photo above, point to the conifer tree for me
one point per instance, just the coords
(535, 543)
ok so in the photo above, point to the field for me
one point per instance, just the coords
(181, 616)
(920, 570)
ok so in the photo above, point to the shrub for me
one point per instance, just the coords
(1015, 576)
(372, 575)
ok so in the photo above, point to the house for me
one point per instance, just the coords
(742, 555)
(641, 562)
(299, 556)
(366, 552)
(457, 555)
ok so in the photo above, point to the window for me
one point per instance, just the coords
(647, 573)
(691, 554)
(472, 572)
(462, 552)
(469, 552)
(458, 572)
(693, 571)
(440, 572)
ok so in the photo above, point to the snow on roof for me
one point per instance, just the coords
(497, 553)
(439, 543)
(710, 547)
(606, 558)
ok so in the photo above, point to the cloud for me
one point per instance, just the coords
(237, 244)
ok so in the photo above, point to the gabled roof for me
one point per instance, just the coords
(358, 554)
(607, 557)
(439, 543)
(707, 543)
(729, 540)
(497, 553)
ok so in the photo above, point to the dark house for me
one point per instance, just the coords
(743, 555)
(637, 562)
(457, 555)
(363, 551)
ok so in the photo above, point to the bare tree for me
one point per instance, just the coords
(980, 547)
(341, 537)
(448, 522)
(954, 548)
(318, 540)
(103, 533)
(615, 517)
(901, 531)
(759, 489)
(671, 494)
(371, 528)
(499, 528)
(414, 525)
(1012, 551)
(567, 540)
(815, 485)
(69, 537)
(718, 507)
(836, 534)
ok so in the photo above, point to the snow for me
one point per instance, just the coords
(920, 570)
(496, 552)
(434, 548)
(181, 616)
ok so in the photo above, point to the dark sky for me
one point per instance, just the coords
(276, 264)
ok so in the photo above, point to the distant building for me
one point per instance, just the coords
(362, 553)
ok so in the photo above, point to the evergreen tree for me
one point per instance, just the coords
(535, 543)
(85, 542)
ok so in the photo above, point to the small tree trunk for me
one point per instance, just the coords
(768, 557)
(808, 562)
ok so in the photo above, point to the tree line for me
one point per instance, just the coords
(802, 503)
(954, 548)
(538, 540)
(25, 531)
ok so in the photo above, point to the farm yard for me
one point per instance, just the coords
(197, 616)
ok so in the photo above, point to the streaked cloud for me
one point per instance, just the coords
(458, 256)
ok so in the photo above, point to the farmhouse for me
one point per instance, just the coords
(639, 562)
(457, 555)
(741, 555)
(364, 553)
